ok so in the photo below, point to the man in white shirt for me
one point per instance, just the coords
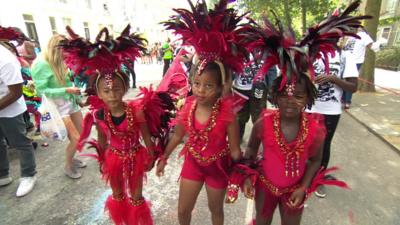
(356, 47)
(12, 125)
(342, 77)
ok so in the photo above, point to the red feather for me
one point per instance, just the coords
(320, 179)
(215, 34)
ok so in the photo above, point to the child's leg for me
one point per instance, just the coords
(261, 218)
(139, 209)
(216, 204)
(115, 203)
(188, 192)
(289, 217)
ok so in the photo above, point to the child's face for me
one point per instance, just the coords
(205, 88)
(292, 106)
(111, 96)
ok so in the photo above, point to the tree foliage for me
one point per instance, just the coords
(300, 14)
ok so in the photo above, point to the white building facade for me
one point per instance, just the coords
(40, 19)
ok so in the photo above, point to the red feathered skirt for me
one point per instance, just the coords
(124, 169)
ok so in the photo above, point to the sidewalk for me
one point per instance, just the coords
(379, 113)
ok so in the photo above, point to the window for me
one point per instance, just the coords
(53, 24)
(88, 4)
(397, 36)
(390, 5)
(30, 27)
(66, 21)
(86, 28)
(386, 32)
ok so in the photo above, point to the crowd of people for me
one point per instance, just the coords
(230, 69)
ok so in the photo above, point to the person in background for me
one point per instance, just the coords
(255, 91)
(12, 107)
(53, 79)
(342, 77)
(167, 55)
(357, 49)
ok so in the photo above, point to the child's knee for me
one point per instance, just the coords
(184, 211)
(216, 209)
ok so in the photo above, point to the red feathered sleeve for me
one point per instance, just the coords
(87, 124)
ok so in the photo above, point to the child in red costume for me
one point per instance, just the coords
(290, 138)
(207, 118)
(120, 125)
(289, 167)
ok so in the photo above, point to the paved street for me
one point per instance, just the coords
(368, 165)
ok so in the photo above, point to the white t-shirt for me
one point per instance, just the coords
(244, 81)
(357, 46)
(10, 74)
(329, 95)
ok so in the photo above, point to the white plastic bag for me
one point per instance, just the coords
(51, 123)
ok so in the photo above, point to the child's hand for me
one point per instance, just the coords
(248, 189)
(150, 165)
(297, 197)
(325, 78)
(160, 167)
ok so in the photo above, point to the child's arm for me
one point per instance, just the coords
(251, 153)
(348, 84)
(101, 139)
(313, 166)
(254, 141)
(233, 138)
(175, 140)
(145, 132)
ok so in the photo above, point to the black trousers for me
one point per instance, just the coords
(166, 65)
(331, 122)
(252, 108)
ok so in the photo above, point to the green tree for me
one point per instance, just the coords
(298, 14)
(372, 8)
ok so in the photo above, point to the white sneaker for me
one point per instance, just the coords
(5, 181)
(26, 185)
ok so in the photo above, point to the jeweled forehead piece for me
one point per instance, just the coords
(109, 80)
(290, 87)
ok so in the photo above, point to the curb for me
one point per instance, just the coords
(373, 131)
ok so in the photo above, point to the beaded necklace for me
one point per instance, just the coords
(198, 139)
(123, 135)
(292, 155)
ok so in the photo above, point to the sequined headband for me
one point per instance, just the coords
(109, 79)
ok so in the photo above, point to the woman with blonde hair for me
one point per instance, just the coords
(52, 78)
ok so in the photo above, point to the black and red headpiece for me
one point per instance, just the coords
(8, 34)
(104, 57)
(217, 35)
(295, 58)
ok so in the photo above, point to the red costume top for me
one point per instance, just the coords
(124, 157)
(207, 143)
(284, 164)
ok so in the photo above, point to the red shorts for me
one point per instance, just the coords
(271, 201)
(212, 175)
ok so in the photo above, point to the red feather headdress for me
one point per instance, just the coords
(216, 34)
(8, 34)
(295, 58)
(105, 56)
